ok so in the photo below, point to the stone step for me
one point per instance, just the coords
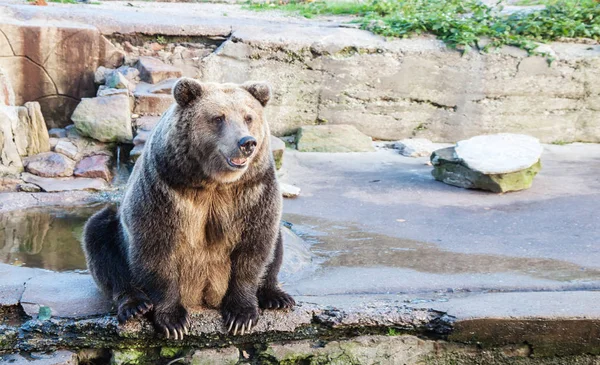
(153, 70)
(149, 103)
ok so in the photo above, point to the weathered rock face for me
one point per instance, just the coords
(106, 119)
(448, 168)
(39, 55)
(31, 131)
(153, 70)
(50, 164)
(415, 87)
(94, 166)
(332, 138)
(23, 131)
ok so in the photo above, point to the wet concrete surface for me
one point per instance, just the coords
(379, 223)
(376, 228)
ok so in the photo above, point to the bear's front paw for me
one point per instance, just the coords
(275, 298)
(238, 316)
(172, 320)
(133, 306)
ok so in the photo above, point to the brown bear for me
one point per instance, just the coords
(199, 221)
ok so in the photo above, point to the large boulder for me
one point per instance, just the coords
(498, 163)
(499, 153)
(332, 138)
(106, 119)
(50, 164)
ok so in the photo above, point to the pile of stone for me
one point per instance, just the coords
(72, 162)
(498, 163)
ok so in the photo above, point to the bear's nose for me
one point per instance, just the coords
(247, 145)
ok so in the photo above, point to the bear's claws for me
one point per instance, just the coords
(133, 307)
(240, 320)
(173, 321)
(275, 299)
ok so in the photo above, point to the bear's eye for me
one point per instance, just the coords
(220, 119)
(248, 119)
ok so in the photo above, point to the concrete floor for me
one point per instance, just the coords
(378, 224)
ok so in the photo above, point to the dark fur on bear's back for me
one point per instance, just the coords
(194, 227)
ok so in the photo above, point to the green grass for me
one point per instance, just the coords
(462, 23)
(63, 1)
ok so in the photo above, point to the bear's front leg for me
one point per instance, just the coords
(154, 270)
(240, 304)
(249, 261)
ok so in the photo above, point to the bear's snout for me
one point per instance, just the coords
(247, 145)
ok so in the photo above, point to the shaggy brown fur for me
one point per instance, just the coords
(199, 222)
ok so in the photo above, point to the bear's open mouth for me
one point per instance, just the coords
(237, 162)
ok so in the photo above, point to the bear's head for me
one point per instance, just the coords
(224, 126)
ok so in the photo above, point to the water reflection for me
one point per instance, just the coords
(47, 238)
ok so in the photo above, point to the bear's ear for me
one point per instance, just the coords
(260, 90)
(187, 90)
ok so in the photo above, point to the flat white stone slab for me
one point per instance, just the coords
(499, 153)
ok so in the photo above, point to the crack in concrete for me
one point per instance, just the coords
(41, 67)
(8, 41)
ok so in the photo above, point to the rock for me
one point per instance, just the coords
(146, 123)
(147, 102)
(277, 148)
(57, 133)
(131, 73)
(30, 134)
(106, 119)
(141, 137)
(50, 164)
(66, 148)
(499, 153)
(53, 142)
(153, 70)
(116, 80)
(129, 357)
(94, 166)
(225, 356)
(104, 90)
(28, 188)
(136, 152)
(417, 147)
(332, 138)
(10, 159)
(60, 357)
(9, 183)
(54, 184)
(289, 191)
(163, 87)
(100, 74)
(448, 168)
